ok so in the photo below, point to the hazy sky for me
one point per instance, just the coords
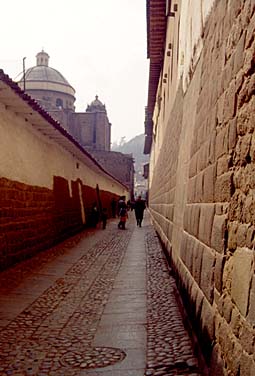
(98, 45)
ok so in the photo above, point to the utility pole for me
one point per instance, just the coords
(24, 73)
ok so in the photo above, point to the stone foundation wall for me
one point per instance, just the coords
(202, 195)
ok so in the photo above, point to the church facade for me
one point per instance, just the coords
(91, 128)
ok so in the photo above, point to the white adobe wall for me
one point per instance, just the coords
(29, 157)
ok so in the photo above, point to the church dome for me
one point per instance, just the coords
(96, 106)
(44, 73)
(43, 77)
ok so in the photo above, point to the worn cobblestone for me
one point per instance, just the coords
(50, 336)
(54, 335)
(169, 347)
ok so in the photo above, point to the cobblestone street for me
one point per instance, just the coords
(102, 303)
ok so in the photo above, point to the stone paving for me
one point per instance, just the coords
(169, 348)
(80, 309)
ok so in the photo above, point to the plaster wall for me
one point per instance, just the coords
(46, 191)
(30, 157)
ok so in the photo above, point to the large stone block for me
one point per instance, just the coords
(230, 102)
(220, 109)
(199, 186)
(242, 154)
(235, 32)
(250, 236)
(206, 222)
(246, 365)
(183, 249)
(242, 230)
(250, 32)
(207, 273)
(228, 274)
(247, 337)
(232, 235)
(251, 308)
(211, 122)
(186, 219)
(211, 147)
(241, 207)
(170, 231)
(224, 187)
(235, 323)
(252, 149)
(194, 220)
(221, 146)
(196, 267)
(209, 182)
(246, 93)
(219, 232)
(227, 308)
(193, 166)
(239, 54)
(207, 157)
(191, 219)
(247, 12)
(208, 320)
(232, 134)
(218, 273)
(223, 164)
(233, 354)
(246, 116)
(170, 212)
(216, 362)
(243, 266)
(227, 75)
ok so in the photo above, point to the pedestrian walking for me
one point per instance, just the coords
(139, 209)
(104, 218)
(121, 204)
(94, 215)
(123, 218)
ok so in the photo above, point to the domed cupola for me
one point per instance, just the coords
(96, 106)
(42, 58)
(49, 87)
(44, 78)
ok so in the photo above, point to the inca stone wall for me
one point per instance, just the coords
(202, 194)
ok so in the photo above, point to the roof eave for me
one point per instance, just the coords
(156, 36)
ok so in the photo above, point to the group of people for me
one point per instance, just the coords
(139, 207)
(120, 209)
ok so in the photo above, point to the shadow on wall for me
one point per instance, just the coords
(34, 218)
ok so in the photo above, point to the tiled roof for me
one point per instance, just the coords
(21, 103)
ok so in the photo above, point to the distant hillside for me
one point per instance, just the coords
(134, 146)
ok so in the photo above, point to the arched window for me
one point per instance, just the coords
(59, 103)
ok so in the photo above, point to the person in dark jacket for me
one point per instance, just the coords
(122, 209)
(94, 215)
(139, 209)
(104, 218)
(123, 214)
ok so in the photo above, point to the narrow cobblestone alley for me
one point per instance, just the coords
(102, 303)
